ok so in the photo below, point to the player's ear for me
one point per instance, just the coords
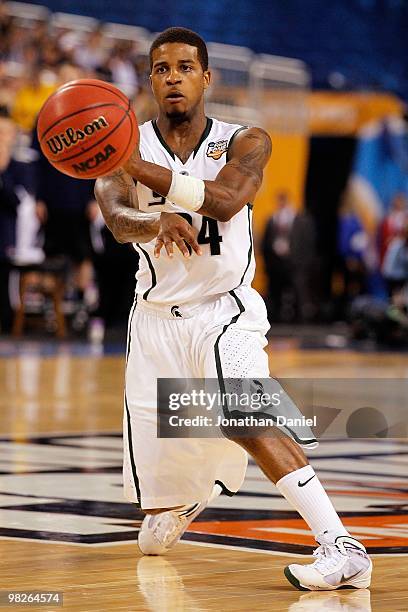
(150, 80)
(207, 78)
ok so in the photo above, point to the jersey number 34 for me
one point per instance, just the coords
(208, 233)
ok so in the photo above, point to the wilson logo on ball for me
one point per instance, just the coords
(71, 136)
(87, 129)
(96, 160)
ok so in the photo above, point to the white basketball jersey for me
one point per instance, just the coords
(227, 260)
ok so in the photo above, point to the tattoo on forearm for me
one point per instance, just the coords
(125, 222)
(132, 226)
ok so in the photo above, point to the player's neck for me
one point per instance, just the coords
(183, 134)
(179, 130)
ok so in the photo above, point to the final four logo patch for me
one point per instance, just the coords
(217, 149)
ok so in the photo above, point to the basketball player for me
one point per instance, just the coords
(196, 315)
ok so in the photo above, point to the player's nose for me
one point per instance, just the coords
(174, 76)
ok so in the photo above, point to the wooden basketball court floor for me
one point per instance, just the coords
(64, 525)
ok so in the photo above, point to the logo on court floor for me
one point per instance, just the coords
(68, 488)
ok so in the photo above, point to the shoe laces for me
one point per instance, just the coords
(327, 557)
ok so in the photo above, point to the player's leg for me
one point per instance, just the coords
(341, 560)
(162, 476)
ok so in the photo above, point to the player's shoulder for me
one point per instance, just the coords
(220, 137)
(222, 128)
(249, 140)
(236, 131)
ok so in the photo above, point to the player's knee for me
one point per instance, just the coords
(249, 444)
(246, 436)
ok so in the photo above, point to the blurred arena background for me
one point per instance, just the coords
(329, 84)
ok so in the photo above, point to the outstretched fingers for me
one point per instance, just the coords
(184, 238)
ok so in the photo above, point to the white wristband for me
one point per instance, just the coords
(186, 191)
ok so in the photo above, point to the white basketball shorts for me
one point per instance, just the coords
(221, 337)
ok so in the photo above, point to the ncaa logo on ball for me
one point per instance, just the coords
(95, 161)
(71, 136)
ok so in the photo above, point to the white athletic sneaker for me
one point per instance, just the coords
(160, 532)
(342, 563)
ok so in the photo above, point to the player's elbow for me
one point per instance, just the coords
(100, 191)
(227, 207)
(120, 237)
(225, 215)
(117, 227)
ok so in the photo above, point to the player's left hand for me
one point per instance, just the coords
(174, 228)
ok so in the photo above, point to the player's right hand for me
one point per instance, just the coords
(174, 228)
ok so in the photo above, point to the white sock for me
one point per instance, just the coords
(304, 491)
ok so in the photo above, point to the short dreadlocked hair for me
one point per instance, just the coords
(181, 35)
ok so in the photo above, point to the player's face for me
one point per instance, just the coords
(178, 80)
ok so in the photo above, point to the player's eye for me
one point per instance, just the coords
(160, 69)
(186, 67)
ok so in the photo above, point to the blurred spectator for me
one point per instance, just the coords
(39, 34)
(352, 246)
(65, 207)
(92, 53)
(15, 40)
(6, 24)
(10, 83)
(51, 55)
(30, 98)
(394, 223)
(144, 105)
(8, 213)
(395, 265)
(31, 55)
(289, 250)
(303, 259)
(115, 266)
(123, 69)
(68, 72)
(276, 252)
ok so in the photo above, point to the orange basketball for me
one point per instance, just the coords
(87, 129)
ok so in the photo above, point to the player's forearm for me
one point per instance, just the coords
(220, 202)
(153, 176)
(133, 226)
(126, 223)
